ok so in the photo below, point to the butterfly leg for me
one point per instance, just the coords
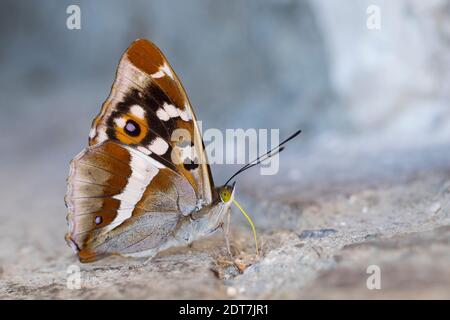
(227, 233)
(148, 260)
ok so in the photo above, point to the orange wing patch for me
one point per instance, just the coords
(131, 129)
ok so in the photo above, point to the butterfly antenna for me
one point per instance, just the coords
(265, 156)
(249, 165)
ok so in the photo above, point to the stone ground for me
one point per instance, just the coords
(322, 222)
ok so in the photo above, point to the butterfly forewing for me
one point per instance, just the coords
(146, 107)
(114, 188)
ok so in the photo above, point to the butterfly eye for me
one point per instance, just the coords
(225, 195)
(132, 128)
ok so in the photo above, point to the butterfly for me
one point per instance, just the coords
(144, 183)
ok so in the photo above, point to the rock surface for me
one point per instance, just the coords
(319, 233)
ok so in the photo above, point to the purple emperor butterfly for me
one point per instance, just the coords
(144, 183)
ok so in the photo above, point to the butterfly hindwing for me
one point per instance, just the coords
(113, 189)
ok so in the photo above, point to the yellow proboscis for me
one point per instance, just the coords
(251, 224)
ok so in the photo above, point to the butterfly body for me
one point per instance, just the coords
(143, 184)
(190, 228)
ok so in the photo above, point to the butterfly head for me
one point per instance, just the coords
(226, 193)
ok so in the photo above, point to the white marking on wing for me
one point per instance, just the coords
(162, 71)
(171, 110)
(143, 169)
(158, 146)
(184, 115)
(120, 122)
(158, 74)
(101, 135)
(166, 69)
(144, 150)
(138, 111)
(162, 114)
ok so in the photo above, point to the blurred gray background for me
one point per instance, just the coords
(266, 64)
(284, 64)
